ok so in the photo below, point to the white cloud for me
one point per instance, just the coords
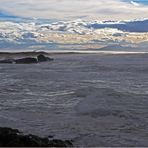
(72, 9)
(66, 33)
(134, 3)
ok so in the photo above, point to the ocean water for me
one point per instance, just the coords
(143, 2)
(92, 99)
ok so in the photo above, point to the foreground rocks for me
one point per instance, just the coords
(14, 138)
(27, 60)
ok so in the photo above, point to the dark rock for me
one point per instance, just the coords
(28, 60)
(60, 143)
(14, 138)
(42, 58)
(50, 136)
(49, 59)
(7, 61)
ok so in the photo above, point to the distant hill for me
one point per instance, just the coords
(117, 48)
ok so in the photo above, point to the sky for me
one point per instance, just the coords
(75, 9)
(60, 24)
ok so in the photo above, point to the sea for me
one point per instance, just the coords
(91, 99)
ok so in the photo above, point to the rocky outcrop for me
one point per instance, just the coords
(27, 60)
(42, 58)
(14, 138)
(7, 61)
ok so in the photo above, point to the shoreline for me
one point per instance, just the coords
(58, 52)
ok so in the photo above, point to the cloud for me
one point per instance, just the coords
(72, 32)
(134, 3)
(69, 9)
